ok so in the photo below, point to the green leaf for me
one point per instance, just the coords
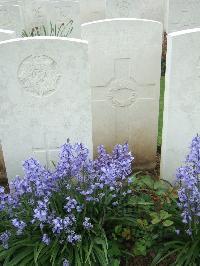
(37, 251)
(115, 263)
(89, 252)
(156, 220)
(167, 223)
(148, 181)
(118, 229)
(100, 255)
(22, 254)
(164, 215)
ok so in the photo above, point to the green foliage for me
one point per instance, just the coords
(153, 204)
(185, 249)
(186, 252)
(63, 30)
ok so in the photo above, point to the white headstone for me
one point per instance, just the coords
(125, 59)
(47, 100)
(182, 15)
(92, 10)
(11, 18)
(67, 12)
(182, 94)
(142, 9)
(6, 35)
(35, 14)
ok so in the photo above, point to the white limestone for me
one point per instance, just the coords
(92, 10)
(182, 15)
(6, 35)
(142, 9)
(62, 11)
(45, 98)
(182, 94)
(125, 59)
(11, 17)
(35, 14)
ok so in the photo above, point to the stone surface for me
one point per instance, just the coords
(34, 14)
(62, 11)
(182, 15)
(6, 35)
(92, 10)
(11, 17)
(47, 100)
(143, 9)
(182, 94)
(125, 81)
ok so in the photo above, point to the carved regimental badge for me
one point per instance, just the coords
(39, 75)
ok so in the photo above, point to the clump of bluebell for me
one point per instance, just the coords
(188, 177)
(184, 247)
(59, 216)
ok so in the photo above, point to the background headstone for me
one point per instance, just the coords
(59, 12)
(142, 9)
(6, 35)
(182, 94)
(47, 100)
(11, 17)
(182, 15)
(92, 10)
(125, 57)
(35, 14)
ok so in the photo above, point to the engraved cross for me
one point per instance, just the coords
(118, 99)
(46, 151)
(123, 90)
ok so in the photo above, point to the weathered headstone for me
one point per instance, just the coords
(47, 100)
(11, 17)
(182, 15)
(92, 10)
(125, 59)
(182, 94)
(6, 35)
(67, 13)
(35, 14)
(142, 9)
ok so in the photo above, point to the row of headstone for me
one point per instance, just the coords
(50, 97)
(38, 13)
(40, 102)
(25, 14)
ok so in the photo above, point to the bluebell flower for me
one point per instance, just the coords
(4, 238)
(73, 238)
(57, 225)
(66, 262)
(45, 239)
(87, 224)
(188, 177)
(71, 204)
(19, 225)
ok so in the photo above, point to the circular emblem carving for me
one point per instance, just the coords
(39, 75)
(122, 93)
